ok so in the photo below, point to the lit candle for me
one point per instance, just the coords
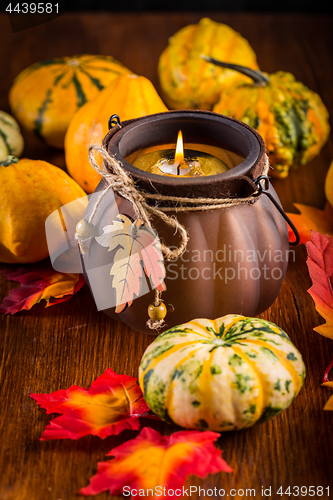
(179, 163)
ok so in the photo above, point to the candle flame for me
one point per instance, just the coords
(179, 156)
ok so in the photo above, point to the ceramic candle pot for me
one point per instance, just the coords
(236, 257)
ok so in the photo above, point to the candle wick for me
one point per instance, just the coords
(177, 165)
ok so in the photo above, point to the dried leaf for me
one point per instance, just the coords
(309, 219)
(327, 371)
(329, 403)
(137, 252)
(152, 460)
(328, 383)
(112, 404)
(320, 264)
(39, 282)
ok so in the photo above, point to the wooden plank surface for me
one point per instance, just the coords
(44, 350)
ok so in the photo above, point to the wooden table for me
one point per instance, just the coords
(44, 350)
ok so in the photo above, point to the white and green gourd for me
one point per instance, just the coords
(223, 374)
(11, 140)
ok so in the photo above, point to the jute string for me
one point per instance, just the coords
(122, 183)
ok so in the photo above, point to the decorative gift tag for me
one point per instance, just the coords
(137, 256)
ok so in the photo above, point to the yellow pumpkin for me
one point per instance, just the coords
(30, 191)
(130, 96)
(291, 118)
(329, 185)
(45, 96)
(223, 374)
(11, 140)
(187, 82)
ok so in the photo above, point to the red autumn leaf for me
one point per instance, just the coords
(137, 252)
(112, 404)
(320, 264)
(309, 219)
(327, 371)
(152, 460)
(39, 282)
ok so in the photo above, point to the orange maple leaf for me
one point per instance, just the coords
(310, 219)
(112, 404)
(39, 282)
(320, 265)
(158, 464)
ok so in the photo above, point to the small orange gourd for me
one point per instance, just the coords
(187, 82)
(30, 191)
(329, 184)
(130, 96)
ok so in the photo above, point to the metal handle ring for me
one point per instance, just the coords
(264, 190)
(260, 186)
(113, 121)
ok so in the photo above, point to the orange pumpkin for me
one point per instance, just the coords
(130, 96)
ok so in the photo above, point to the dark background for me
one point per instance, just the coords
(207, 5)
(200, 5)
(324, 6)
(21, 22)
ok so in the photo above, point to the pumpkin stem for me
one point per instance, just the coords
(259, 78)
(9, 160)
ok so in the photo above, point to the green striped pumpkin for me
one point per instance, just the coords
(11, 140)
(291, 118)
(223, 374)
(45, 96)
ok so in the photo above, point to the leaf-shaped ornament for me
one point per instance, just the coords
(137, 255)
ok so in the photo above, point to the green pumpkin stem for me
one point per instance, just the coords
(259, 78)
(9, 160)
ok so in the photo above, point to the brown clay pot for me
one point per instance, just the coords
(205, 282)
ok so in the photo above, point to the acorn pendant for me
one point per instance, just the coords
(157, 312)
(85, 229)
